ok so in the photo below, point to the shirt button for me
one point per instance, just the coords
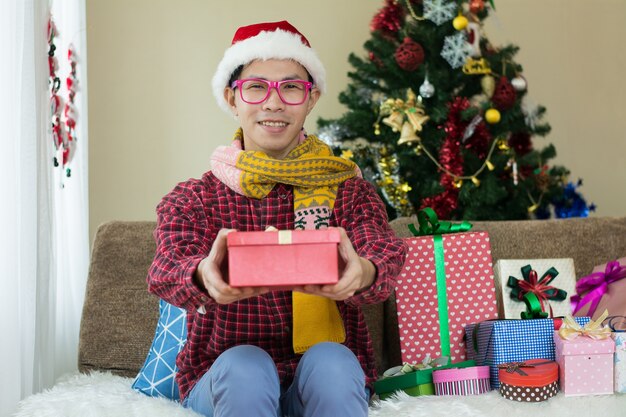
(287, 329)
(282, 196)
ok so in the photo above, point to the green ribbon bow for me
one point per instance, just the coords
(429, 224)
(533, 307)
(540, 286)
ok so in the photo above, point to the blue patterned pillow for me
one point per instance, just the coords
(157, 377)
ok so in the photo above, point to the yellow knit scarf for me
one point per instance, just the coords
(315, 175)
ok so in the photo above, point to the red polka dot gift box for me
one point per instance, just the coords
(529, 381)
(446, 283)
(585, 357)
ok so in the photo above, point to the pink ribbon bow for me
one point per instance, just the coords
(596, 285)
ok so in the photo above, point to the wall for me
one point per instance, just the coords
(153, 121)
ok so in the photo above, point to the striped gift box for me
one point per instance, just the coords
(462, 381)
(495, 342)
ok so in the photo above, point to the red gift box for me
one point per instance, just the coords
(283, 258)
(465, 283)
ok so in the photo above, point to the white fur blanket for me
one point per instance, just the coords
(105, 395)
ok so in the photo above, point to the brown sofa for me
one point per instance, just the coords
(119, 316)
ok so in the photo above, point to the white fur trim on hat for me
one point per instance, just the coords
(278, 44)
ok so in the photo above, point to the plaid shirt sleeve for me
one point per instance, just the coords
(361, 212)
(183, 237)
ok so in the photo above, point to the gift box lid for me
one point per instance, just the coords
(583, 345)
(411, 379)
(530, 373)
(282, 237)
(460, 374)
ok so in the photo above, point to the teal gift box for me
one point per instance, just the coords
(414, 383)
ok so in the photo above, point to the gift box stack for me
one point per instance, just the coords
(416, 379)
(450, 303)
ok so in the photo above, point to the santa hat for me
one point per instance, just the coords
(274, 40)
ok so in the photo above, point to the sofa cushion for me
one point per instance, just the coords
(157, 377)
(119, 315)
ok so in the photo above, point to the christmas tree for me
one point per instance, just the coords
(437, 117)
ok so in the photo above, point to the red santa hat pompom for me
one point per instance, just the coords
(273, 40)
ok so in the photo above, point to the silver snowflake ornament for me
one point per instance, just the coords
(439, 11)
(456, 50)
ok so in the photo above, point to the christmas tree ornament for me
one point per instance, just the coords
(427, 90)
(417, 117)
(376, 60)
(492, 116)
(478, 100)
(388, 20)
(476, 66)
(408, 134)
(460, 22)
(519, 83)
(504, 95)
(477, 6)
(488, 84)
(502, 145)
(521, 143)
(471, 127)
(455, 50)
(439, 11)
(347, 154)
(473, 38)
(409, 55)
(531, 114)
(394, 120)
(397, 109)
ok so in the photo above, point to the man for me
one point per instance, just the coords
(248, 352)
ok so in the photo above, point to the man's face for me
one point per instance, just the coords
(272, 126)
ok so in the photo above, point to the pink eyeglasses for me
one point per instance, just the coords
(257, 90)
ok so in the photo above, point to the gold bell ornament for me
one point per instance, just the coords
(408, 134)
(394, 121)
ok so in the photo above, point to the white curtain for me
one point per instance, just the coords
(44, 248)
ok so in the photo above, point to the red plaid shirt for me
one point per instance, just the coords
(189, 218)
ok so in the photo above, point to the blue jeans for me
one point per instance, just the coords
(243, 381)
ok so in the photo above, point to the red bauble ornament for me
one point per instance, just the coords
(409, 55)
(389, 19)
(477, 6)
(376, 60)
(521, 143)
(504, 95)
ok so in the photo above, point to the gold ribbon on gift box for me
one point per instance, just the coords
(570, 330)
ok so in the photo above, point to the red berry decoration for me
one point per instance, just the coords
(409, 55)
(504, 95)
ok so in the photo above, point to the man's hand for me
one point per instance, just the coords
(357, 274)
(214, 268)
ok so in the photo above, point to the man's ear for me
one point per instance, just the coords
(314, 95)
(229, 96)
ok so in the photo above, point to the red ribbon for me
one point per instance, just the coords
(536, 286)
